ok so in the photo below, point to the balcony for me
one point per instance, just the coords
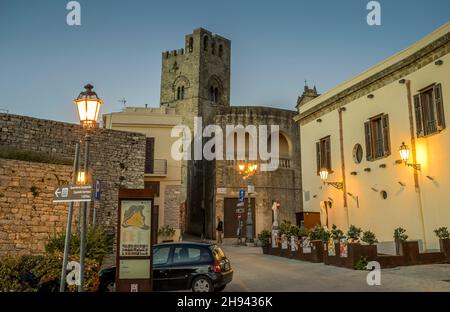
(284, 163)
(156, 168)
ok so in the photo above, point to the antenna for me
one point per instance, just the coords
(123, 101)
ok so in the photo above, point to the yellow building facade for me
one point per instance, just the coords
(162, 172)
(354, 133)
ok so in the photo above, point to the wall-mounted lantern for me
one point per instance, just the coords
(324, 177)
(404, 154)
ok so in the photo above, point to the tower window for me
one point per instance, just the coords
(220, 50)
(191, 44)
(180, 93)
(214, 94)
(205, 43)
(213, 48)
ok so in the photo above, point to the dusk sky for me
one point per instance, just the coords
(276, 46)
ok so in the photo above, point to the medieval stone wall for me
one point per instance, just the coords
(116, 159)
(283, 184)
(27, 215)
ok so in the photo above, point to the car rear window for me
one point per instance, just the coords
(218, 253)
(190, 255)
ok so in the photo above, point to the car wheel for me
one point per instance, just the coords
(219, 289)
(202, 284)
(110, 287)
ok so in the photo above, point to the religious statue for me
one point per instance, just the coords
(276, 214)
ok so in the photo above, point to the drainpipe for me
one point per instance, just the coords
(414, 158)
(344, 186)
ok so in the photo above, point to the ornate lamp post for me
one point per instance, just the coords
(88, 105)
(404, 154)
(247, 170)
(324, 176)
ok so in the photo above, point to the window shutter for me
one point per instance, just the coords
(386, 137)
(439, 107)
(149, 154)
(419, 118)
(368, 134)
(318, 156)
(328, 153)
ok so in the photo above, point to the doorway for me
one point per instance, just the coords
(230, 222)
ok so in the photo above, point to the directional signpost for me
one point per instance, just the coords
(72, 193)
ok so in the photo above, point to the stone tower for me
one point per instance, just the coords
(196, 81)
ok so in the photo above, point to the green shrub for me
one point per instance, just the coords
(98, 244)
(302, 232)
(354, 233)
(442, 233)
(336, 234)
(369, 238)
(319, 233)
(166, 231)
(362, 263)
(264, 237)
(399, 234)
(285, 228)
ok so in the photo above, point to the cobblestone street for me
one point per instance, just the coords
(254, 271)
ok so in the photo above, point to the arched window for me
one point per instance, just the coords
(205, 43)
(211, 93)
(216, 95)
(191, 44)
(213, 48)
(220, 50)
(178, 93)
(182, 93)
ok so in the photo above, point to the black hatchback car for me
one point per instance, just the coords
(180, 266)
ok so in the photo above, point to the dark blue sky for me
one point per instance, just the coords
(276, 45)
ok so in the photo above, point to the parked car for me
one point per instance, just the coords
(177, 266)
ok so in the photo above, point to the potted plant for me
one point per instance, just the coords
(336, 234)
(369, 238)
(444, 240)
(399, 237)
(354, 234)
(167, 233)
(264, 237)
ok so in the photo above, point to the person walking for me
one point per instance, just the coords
(219, 231)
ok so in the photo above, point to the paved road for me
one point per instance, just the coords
(254, 271)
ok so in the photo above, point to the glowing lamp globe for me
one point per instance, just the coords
(404, 152)
(88, 105)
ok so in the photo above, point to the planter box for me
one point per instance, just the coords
(316, 255)
(410, 252)
(390, 261)
(266, 250)
(355, 252)
(445, 248)
(286, 253)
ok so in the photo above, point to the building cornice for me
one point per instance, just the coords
(417, 60)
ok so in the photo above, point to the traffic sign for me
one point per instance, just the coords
(72, 193)
(241, 195)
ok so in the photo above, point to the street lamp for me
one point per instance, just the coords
(404, 154)
(88, 105)
(323, 173)
(247, 170)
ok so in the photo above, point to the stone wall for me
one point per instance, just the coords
(283, 184)
(116, 157)
(27, 215)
